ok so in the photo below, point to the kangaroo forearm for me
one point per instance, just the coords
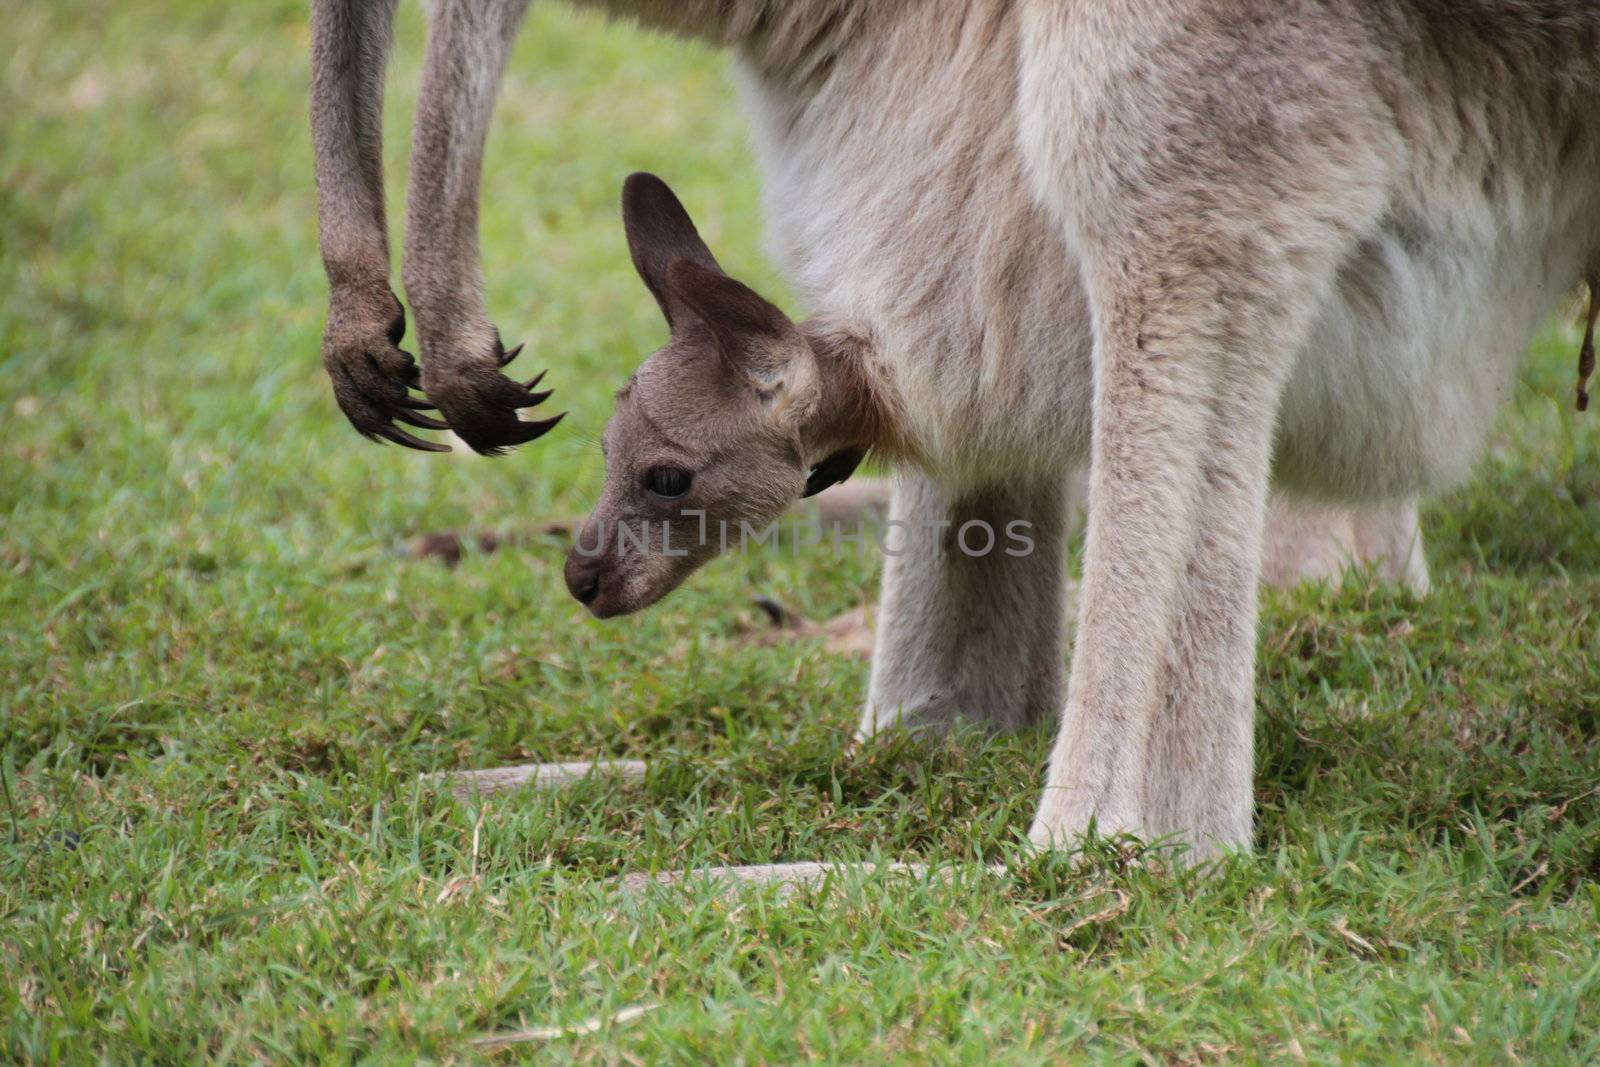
(468, 41)
(349, 47)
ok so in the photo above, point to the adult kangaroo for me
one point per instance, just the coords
(1204, 245)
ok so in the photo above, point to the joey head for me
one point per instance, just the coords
(739, 415)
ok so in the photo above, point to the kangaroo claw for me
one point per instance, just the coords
(372, 376)
(482, 405)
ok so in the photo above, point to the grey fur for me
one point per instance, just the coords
(462, 353)
(1199, 245)
(950, 646)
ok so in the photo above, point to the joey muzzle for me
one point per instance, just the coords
(587, 573)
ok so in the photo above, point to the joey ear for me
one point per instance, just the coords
(756, 339)
(659, 231)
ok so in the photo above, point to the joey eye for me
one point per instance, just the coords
(668, 482)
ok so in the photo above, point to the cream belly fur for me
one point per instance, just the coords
(921, 224)
(1419, 344)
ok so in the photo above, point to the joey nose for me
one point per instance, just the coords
(583, 579)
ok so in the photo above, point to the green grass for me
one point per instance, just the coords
(221, 679)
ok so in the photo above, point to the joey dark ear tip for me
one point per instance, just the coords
(640, 180)
(633, 185)
(641, 188)
(659, 230)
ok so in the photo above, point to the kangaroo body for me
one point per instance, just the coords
(924, 223)
(1200, 246)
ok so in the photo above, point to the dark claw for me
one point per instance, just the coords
(502, 392)
(420, 421)
(400, 437)
(536, 379)
(481, 403)
(372, 375)
(532, 431)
